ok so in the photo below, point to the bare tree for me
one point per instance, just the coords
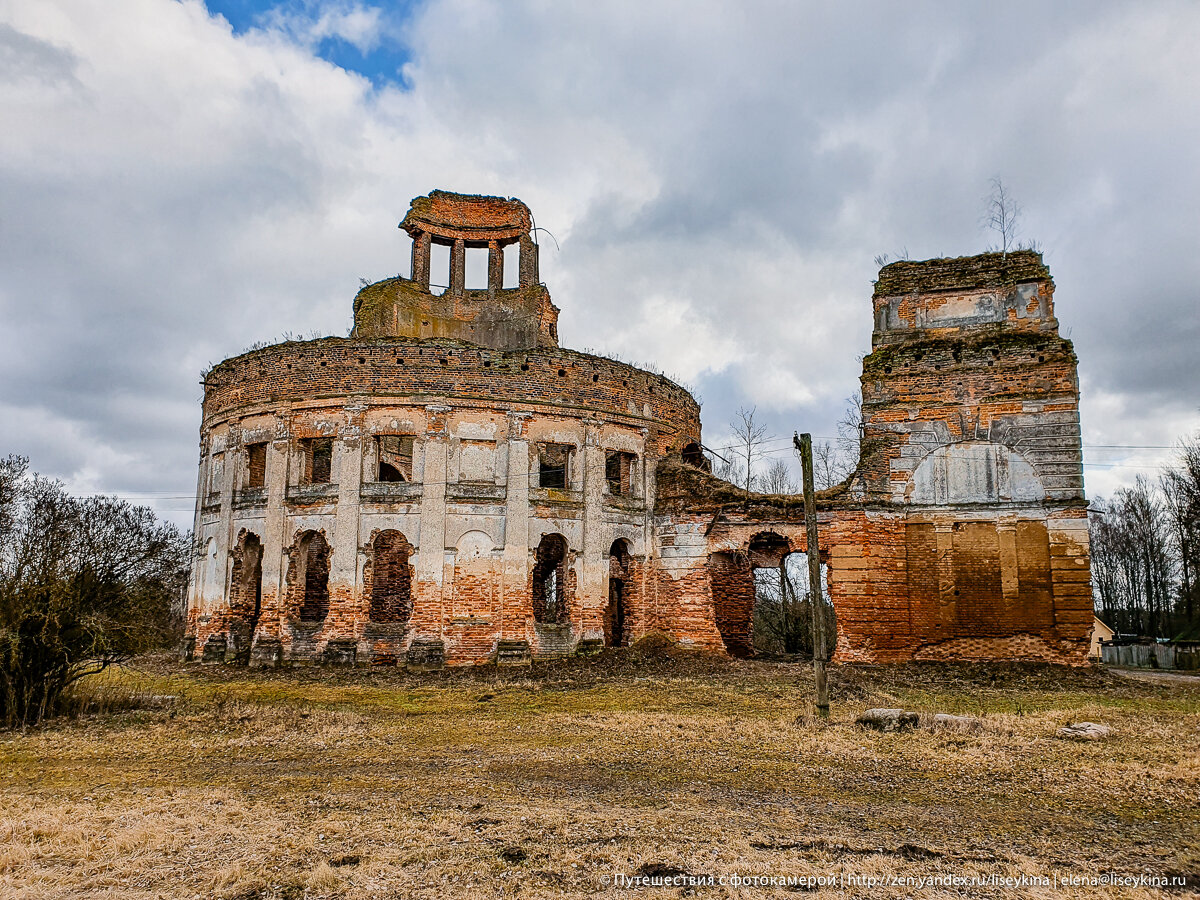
(84, 583)
(729, 469)
(1003, 215)
(749, 439)
(1145, 548)
(829, 466)
(1133, 561)
(850, 435)
(1180, 486)
(778, 478)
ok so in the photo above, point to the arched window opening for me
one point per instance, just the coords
(312, 581)
(391, 578)
(549, 581)
(616, 613)
(245, 595)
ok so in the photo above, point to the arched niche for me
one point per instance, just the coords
(974, 472)
(474, 545)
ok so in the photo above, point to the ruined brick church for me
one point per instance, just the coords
(448, 485)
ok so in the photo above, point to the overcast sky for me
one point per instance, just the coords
(179, 180)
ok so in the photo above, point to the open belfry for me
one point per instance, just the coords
(448, 485)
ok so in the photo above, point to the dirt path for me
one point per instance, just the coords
(1162, 677)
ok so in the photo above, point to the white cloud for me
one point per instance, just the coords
(695, 347)
(308, 24)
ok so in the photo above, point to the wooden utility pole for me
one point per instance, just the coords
(803, 443)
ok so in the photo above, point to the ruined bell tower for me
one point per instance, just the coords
(971, 428)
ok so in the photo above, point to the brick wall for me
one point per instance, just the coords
(963, 534)
(397, 369)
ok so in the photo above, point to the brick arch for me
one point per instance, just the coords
(767, 549)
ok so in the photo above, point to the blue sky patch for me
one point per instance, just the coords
(380, 62)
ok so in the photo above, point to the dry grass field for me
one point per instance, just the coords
(225, 783)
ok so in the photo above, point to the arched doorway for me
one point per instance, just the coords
(245, 596)
(616, 613)
(308, 577)
(391, 578)
(783, 607)
(549, 595)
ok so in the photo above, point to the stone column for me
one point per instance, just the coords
(431, 550)
(495, 268)
(219, 593)
(515, 605)
(458, 267)
(420, 259)
(647, 596)
(267, 649)
(344, 605)
(194, 582)
(529, 262)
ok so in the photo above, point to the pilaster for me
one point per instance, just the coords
(516, 531)
(270, 621)
(430, 569)
(343, 563)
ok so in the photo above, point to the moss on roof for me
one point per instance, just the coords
(998, 337)
(684, 488)
(984, 270)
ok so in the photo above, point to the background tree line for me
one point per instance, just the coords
(84, 583)
(1146, 549)
(782, 601)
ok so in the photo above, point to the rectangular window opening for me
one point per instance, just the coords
(512, 265)
(318, 460)
(256, 466)
(475, 276)
(439, 268)
(618, 472)
(554, 463)
(395, 457)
